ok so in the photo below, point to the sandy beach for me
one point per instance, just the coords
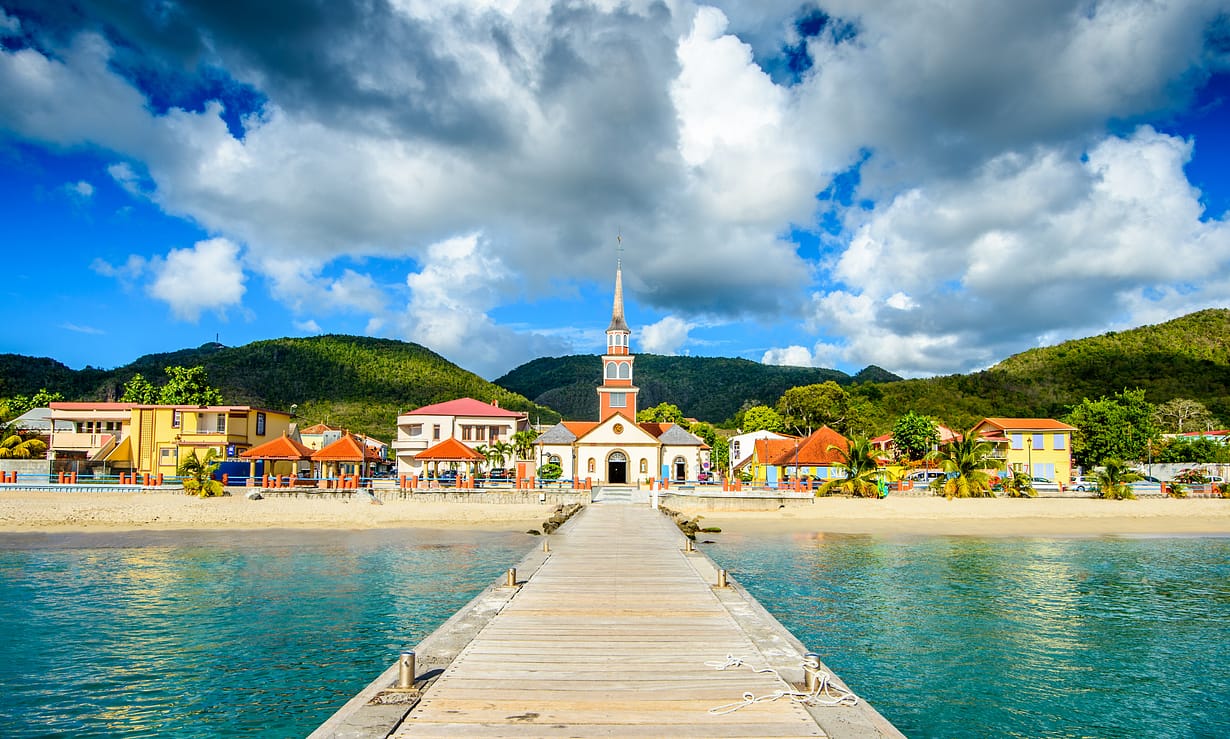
(57, 512)
(31, 511)
(984, 517)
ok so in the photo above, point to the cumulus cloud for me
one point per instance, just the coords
(205, 276)
(792, 356)
(132, 268)
(1041, 246)
(308, 327)
(526, 134)
(666, 336)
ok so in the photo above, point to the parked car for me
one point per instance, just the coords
(1044, 485)
(1085, 483)
(499, 473)
(924, 477)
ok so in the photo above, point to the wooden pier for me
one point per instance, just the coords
(617, 632)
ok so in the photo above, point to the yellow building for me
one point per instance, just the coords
(155, 439)
(1038, 447)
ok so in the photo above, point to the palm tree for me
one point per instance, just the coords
(968, 464)
(484, 450)
(198, 474)
(860, 464)
(14, 447)
(1114, 480)
(500, 451)
(523, 443)
(1019, 486)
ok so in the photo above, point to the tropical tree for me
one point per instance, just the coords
(808, 407)
(861, 467)
(762, 418)
(1119, 427)
(1177, 413)
(501, 451)
(915, 435)
(523, 443)
(188, 386)
(19, 404)
(484, 450)
(662, 413)
(1115, 478)
(15, 447)
(968, 464)
(550, 471)
(1019, 486)
(198, 474)
(139, 390)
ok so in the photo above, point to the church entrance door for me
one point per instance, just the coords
(617, 469)
(681, 469)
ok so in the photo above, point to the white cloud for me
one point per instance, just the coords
(666, 336)
(79, 191)
(206, 276)
(130, 270)
(1033, 249)
(9, 26)
(792, 356)
(545, 128)
(308, 327)
(79, 329)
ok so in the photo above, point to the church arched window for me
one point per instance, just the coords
(625, 371)
(611, 371)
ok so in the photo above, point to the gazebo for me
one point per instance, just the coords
(346, 456)
(450, 450)
(282, 454)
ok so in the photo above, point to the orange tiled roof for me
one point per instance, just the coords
(282, 447)
(580, 428)
(449, 450)
(319, 428)
(814, 450)
(346, 449)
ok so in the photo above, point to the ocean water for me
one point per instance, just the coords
(265, 634)
(1011, 637)
(261, 634)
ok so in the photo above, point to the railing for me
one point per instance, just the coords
(81, 441)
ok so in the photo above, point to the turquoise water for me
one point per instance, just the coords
(266, 634)
(967, 637)
(223, 634)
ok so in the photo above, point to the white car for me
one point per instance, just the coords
(1085, 484)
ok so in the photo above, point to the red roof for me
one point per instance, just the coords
(449, 450)
(87, 406)
(346, 449)
(1026, 424)
(580, 428)
(814, 450)
(465, 407)
(282, 447)
(319, 428)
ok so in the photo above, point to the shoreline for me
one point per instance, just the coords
(113, 512)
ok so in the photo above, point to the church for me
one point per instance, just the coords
(615, 449)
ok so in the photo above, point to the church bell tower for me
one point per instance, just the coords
(617, 394)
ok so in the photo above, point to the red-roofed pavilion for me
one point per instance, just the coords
(346, 456)
(450, 451)
(282, 454)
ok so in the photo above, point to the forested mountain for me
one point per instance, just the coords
(1188, 357)
(355, 382)
(709, 388)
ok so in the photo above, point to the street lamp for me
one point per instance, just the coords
(1029, 454)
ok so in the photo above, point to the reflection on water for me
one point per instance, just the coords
(219, 633)
(967, 637)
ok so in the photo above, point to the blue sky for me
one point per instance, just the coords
(925, 186)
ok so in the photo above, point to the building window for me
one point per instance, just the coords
(260, 423)
(416, 429)
(166, 457)
(177, 419)
(611, 371)
(220, 425)
(1039, 442)
(618, 400)
(494, 433)
(734, 449)
(625, 371)
(467, 433)
(553, 459)
(1060, 442)
(435, 432)
(1018, 441)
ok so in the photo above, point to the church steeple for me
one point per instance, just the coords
(617, 394)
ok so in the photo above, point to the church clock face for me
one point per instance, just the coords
(618, 428)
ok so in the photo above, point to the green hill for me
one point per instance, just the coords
(1188, 357)
(355, 382)
(709, 388)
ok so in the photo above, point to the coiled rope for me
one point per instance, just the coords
(825, 693)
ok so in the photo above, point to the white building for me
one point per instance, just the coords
(615, 449)
(472, 422)
(742, 445)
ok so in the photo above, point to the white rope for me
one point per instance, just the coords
(825, 694)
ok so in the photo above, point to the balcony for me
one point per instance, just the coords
(73, 441)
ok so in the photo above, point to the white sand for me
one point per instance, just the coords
(63, 511)
(56, 512)
(984, 517)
